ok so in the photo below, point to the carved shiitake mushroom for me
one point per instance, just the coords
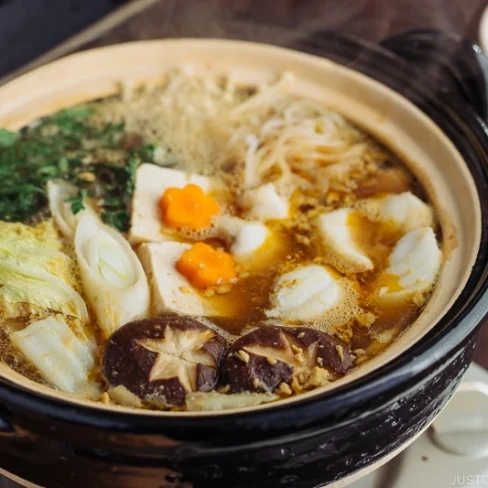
(162, 359)
(273, 357)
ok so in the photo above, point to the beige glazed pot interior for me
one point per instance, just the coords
(380, 111)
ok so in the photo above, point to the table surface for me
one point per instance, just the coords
(282, 22)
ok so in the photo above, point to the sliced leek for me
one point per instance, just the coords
(114, 281)
(66, 220)
(52, 347)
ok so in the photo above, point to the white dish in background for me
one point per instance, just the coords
(426, 464)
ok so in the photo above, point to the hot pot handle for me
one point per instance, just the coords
(453, 64)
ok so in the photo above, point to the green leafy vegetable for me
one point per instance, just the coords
(68, 146)
(118, 219)
(72, 119)
(7, 138)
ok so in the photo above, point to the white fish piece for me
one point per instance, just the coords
(52, 347)
(170, 290)
(405, 210)
(151, 183)
(57, 192)
(305, 293)
(264, 203)
(245, 236)
(113, 278)
(336, 234)
(413, 265)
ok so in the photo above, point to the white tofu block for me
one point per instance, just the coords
(336, 234)
(264, 203)
(407, 211)
(52, 347)
(151, 183)
(170, 290)
(305, 294)
(413, 265)
(245, 236)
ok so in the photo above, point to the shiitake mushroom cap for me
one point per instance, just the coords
(162, 359)
(270, 356)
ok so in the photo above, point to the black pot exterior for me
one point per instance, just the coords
(327, 451)
(313, 442)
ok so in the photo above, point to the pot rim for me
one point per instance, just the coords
(400, 369)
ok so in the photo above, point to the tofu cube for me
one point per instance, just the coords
(170, 290)
(151, 183)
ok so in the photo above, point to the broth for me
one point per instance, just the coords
(315, 247)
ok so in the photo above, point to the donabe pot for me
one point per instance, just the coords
(326, 437)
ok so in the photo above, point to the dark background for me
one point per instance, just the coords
(30, 27)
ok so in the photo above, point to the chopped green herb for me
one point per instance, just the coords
(70, 116)
(63, 164)
(111, 202)
(65, 146)
(8, 138)
(137, 157)
(119, 220)
(77, 204)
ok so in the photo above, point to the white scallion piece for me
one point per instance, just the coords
(52, 347)
(114, 281)
(66, 220)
